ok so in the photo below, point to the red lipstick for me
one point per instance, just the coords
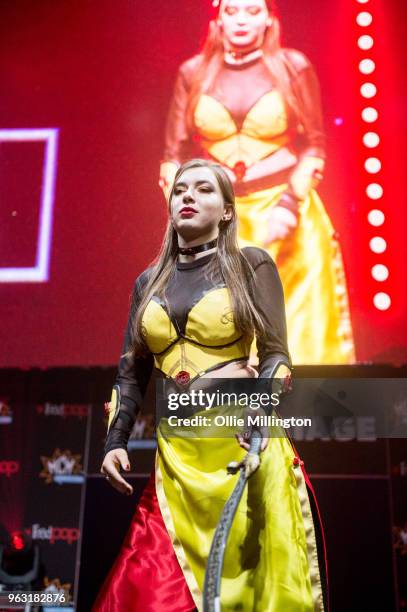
(187, 211)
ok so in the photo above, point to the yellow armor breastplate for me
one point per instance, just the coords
(210, 338)
(264, 129)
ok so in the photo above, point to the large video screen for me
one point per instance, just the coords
(94, 101)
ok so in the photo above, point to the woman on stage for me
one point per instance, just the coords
(254, 107)
(193, 317)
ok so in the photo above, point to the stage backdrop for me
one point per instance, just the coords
(85, 91)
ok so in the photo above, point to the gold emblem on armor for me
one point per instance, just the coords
(227, 317)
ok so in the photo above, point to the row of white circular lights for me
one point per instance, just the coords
(371, 140)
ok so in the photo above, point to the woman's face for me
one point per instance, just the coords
(243, 23)
(197, 205)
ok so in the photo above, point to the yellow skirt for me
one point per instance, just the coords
(271, 562)
(311, 269)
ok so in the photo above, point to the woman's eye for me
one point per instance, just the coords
(254, 10)
(230, 10)
(178, 190)
(206, 189)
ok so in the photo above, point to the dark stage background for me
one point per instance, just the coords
(101, 72)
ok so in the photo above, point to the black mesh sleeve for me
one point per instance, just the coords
(272, 348)
(132, 377)
(308, 91)
(177, 137)
(268, 297)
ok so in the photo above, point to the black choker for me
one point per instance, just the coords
(199, 248)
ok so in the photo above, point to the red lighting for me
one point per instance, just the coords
(376, 217)
(372, 165)
(367, 66)
(378, 244)
(374, 191)
(371, 140)
(365, 42)
(380, 272)
(382, 301)
(17, 540)
(368, 90)
(364, 19)
(369, 114)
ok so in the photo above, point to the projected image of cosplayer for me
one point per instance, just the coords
(193, 317)
(254, 107)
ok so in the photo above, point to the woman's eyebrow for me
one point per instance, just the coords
(198, 183)
(206, 181)
(248, 6)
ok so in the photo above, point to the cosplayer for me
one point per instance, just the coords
(193, 317)
(254, 107)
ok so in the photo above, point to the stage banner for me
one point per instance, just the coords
(42, 465)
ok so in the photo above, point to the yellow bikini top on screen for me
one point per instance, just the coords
(264, 129)
(209, 340)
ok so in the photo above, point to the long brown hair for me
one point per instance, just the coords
(278, 64)
(236, 271)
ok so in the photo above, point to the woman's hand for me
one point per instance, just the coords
(113, 461)
(282, 222)
(243, 439)
(168, 171)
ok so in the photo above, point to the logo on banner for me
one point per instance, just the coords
(8, 468)
(143, 433)
(63, 410)
(6, 414)
(63, 467)
(53, 534)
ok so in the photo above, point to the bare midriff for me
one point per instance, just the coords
(235, 369)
